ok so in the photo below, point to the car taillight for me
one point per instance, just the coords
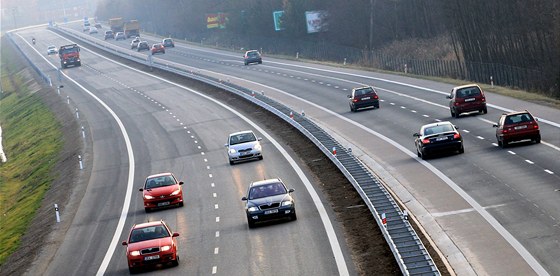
(425, 141)
(376, 97)
(504, 130)
(456, 103)
(354, 100)
(483, 99)
(456, 136)
(536, 126)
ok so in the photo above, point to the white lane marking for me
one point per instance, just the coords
(214, 195)
(210, 175)
(205, 160)
(212, 185)
(495, 145)
(216, 250)
(466, 131)
(511, 152)
(550, 145)
(413, 111)
(456, 212)
(392, 103)
(215, 206)
(403, 107)
(217, 234)
(207, 167)
(437, 120)
(549, 171)
(217, 219)
(202, 153)
(529, 161)
(131, 165)
(480, 137)
(214, 269)
(425, 115)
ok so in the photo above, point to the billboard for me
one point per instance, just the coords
(216, 20)
(278, 23)
(315, 21)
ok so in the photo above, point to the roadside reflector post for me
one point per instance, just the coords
(77, 113)
(68, 99)
(80, 161)
(253, 93)
(297, 55)
(302, 113)
(405, 214)
(56, 212)
(384, 219)
(344, 61)
(83, 132)
(491, 81)
(405, 68)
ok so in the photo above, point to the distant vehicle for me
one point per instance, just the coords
(517, 126)
(134, 43)
(98, 25)
(243, 145)
(120, 36)
(150, 244)
(162, 190)
(92, 30)
(69, 55)
(116, 24)
(438, 137)
(252, 56)
(143, 45)
(168, 43)
(109, 34)
(158, 48)
(52, 50)
(85, 28)
(363, 97)
(131, 28)
(268, 199)
(467, 98)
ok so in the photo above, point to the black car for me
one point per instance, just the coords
(269, 199)
(363, 97)
(438, 137)
(252, 56)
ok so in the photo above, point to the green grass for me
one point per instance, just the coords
(32, 140)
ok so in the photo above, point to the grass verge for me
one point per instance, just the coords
(32, 140)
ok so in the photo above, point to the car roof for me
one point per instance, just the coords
(159, 174)
(266, 181)
(147, 224)
(241, 132)
(465, 86)
(437, 124)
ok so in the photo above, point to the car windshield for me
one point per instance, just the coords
(468, 92)
(161, 181)
(242, 138)
(518, 118)
(438, 129)
(267, 190)
(148, 233)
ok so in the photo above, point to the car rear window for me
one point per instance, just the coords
(437, 129)
(364, 91)
(468, 92)
(518, 118)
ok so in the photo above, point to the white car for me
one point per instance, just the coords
(243, 145)
(92, 30)
(51, 50)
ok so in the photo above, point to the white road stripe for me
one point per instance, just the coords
(217, 234)
(214, 270)
(217, 219)
(216, 250)
(480, 137)
(511, 152)
(549, 171)
(529, 161)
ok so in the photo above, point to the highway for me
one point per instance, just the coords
(490, 210)
(142, 125)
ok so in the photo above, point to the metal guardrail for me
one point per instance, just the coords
(43, 75)
(407, 248)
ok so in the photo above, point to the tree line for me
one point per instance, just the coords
(518, 33)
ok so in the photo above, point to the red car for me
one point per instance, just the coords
(517, 126)
(158, 48)
(467, 98)
(149, 244)
(161, 190)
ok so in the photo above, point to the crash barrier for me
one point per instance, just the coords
(43, 75)
(407, 248)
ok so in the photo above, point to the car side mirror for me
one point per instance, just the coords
(448, 96)
(495, 125)
(244, 198)
(348, 96)
(456, 127)
(175, 235)
(416, 135)
(291, 190)
(259, 139)
(124, 243)
(181, 182)
(226, 145)
(536, 119)
(141, 189)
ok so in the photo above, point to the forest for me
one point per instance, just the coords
(515, 41)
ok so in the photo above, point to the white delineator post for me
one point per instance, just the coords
(57, 212)
(80, 161)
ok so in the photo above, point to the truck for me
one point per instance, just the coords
(132, 28)
(116, 24)
(69, 55)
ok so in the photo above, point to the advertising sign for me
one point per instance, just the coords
(278, 23)
(315, 21)
(216, 20)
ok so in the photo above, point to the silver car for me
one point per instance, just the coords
(243, 145)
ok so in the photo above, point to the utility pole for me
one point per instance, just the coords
(371, 4)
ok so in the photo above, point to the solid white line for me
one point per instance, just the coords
(130, 182)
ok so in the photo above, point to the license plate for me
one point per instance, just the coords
(149, 258)
(268, 212)
(520, 127)
(366, 98)
(441, 138)
(470, 100)
(163, 203)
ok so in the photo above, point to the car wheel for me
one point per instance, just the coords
(376, 106)
(231, 162)
(538, 139)
(452, 113)
(418, 153)
(79, 64)
(352, 109)
(504, 144)
(246, 63)
(462, 149)
(147, 209)
(132, 270)
(181, 204)
(251, 223)
(423, 155)
(485, 110)
(260, 62)
(261, 157)
(176, 261)
(456, 114)
(293, 216)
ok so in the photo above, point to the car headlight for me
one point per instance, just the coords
(148, 197)
(287, 203)
(257, 147)
(135, 253)
(232, 151)
(253, 209)
(165, 248)
(176, 192)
